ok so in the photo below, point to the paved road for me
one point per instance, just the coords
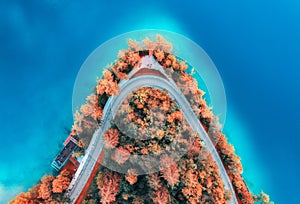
(111, 108)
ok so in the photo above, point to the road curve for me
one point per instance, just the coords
(111, 108)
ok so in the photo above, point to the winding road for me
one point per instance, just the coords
(110, 110)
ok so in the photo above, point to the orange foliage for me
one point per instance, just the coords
(87, 109)
(108, 185)
(92, 103)
(243, 193)
(193, 189)
(232, 161)
(131, 177)
(117, 70)
(144, 150)
(159, 54)
(199, 181)
(134, 45)
(121, 155)
(45, 187)
(44, 192)
(161, 196)
(195, 148)
(169, 170)
(107, 85)
(172, 61)
(23, 198)
(132, 58)
(154, 181)
(97, 114)
(155, 148)
(122, 55)
(176, 115)
(61, 182)
(206, 113)
(92, 99)
(149, 44)
(78, 117)
(111, 138)
(187, 84)
(163, 44)
(127, 58)
(182, 66)
(263, 198)
(121, 66)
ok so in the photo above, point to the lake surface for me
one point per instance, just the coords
(255, 46)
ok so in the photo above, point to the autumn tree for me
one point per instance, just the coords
(193, 189)
(131, 176)
(108, 185)
(154, 181)
(262, 198)
(242, 191)
(23, 198)
(169, 170)
(61, 182)
(107, 85)
(151, 112)
(161, 196)
(45, 190)
(120, 155)
(111, 138)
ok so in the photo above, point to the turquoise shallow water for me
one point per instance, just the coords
(239, 134)
(254, 44)
(32, 140)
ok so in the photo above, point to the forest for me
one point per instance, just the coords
(189, 175)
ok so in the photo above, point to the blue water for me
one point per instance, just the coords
(255, 45)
